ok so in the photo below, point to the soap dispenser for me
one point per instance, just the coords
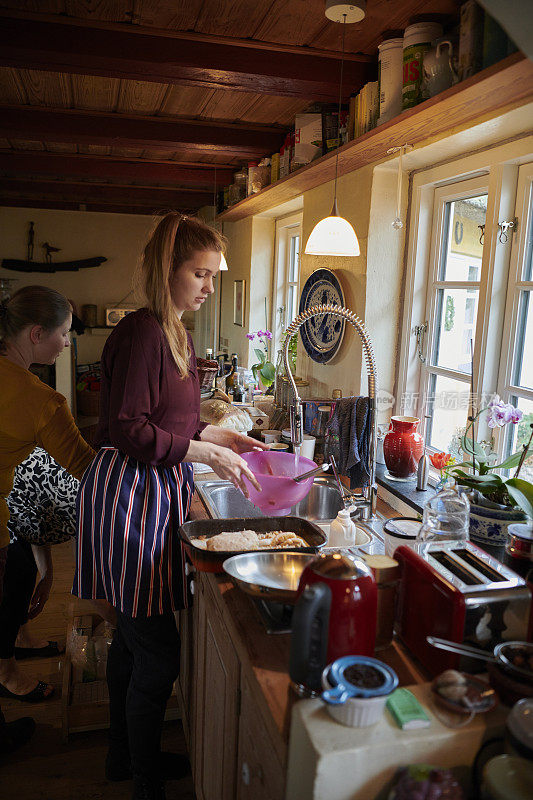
(342, 531)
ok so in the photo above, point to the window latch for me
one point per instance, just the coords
(420, 332)
(482, 234)
(506, 227)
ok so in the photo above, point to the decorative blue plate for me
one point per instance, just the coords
(322, 335)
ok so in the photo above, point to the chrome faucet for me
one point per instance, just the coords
(365, 502)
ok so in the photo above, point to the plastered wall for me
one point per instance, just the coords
(118, 237)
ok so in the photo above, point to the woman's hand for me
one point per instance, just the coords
(40, 596)
(229, 465)
(238, 442)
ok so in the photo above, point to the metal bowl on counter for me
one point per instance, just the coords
(269, 576)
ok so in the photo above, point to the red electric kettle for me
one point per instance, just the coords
(334, 616)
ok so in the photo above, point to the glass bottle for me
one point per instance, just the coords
(446, 517)
(231, 377)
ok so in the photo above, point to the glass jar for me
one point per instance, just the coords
(446, 517)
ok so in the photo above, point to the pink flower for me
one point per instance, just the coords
(268, 334)
(250, 336)
(501, 413)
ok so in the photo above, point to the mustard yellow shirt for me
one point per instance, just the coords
(31, 414)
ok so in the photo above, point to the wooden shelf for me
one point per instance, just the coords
(499, 88)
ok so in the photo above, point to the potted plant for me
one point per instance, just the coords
(495, 501)
(264, 371)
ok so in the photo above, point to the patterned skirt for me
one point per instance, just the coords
(128, 550)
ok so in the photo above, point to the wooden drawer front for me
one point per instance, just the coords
(260, 774)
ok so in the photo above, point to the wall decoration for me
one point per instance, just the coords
(239, 288)
(322, 335)
(29, 265)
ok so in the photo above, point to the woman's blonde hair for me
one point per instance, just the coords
(174, 240)
(32, 305)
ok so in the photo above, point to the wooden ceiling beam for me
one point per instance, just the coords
(133, 53)
(120, 130)
(85, 192)
(40, 162)
(71, 205)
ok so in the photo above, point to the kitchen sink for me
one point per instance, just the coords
(224, 501)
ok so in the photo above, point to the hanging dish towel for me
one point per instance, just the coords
(348, 439)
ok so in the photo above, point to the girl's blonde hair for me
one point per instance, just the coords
(174, 240)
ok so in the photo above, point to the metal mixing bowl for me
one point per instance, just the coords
(270, 576)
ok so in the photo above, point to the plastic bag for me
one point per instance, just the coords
(88, 649)
(217, 412)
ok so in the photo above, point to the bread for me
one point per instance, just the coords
(248, 540)
(240, 540)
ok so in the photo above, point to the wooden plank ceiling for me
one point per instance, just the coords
(134, 105)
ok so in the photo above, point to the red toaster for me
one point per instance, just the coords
(459, 592)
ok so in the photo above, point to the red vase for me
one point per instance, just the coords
(403, 447)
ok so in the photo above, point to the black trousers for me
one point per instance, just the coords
(142, 665)
(19, 583)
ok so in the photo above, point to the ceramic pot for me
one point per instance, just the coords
(489, 522)
(438, 69)
(403, 447)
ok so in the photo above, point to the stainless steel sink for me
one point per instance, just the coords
(224, 501)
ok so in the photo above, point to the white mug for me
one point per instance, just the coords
(270, 436)
(307, 449)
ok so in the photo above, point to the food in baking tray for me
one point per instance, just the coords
(249, 540)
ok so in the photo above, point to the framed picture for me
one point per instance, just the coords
(238, 302)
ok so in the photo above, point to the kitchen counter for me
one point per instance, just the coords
(320, 758)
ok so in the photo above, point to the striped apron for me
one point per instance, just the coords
(128, 551)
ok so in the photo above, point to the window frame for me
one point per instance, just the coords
(286, 227)
(442, 196)
(506, 388)
(498, 167)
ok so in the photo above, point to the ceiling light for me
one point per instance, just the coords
(354, 12)
(333, 235)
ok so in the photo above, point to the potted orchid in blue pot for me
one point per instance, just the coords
(496, 501)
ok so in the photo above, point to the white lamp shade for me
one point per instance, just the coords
(332, 236)
(223, 263)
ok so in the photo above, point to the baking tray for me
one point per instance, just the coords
(210, 561)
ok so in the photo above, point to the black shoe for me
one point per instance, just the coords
(172, 766)
(14, 734)
(147, 789)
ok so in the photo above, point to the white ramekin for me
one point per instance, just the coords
(356, 712)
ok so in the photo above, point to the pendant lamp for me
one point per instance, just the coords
(223, 263)
(333, 235)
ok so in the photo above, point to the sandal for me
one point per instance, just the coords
(35, 696)
(51, 649)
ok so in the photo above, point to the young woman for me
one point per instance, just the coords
(139, 488)
(34, 326)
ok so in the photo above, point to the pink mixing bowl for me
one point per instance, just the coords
(274, 471)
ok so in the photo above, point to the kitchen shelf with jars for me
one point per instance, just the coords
(501, 87)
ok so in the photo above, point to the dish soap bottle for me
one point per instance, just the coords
(342, 531)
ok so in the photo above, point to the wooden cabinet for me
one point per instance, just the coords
(260, 774)
(216, 698)
(231, 752)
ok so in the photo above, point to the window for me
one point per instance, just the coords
(516, 372)
(286, 275)
(451, 307)
(469, 297)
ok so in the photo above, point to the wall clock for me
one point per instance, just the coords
(322, 335)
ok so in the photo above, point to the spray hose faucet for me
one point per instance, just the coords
(368, 506)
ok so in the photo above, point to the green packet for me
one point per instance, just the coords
(407, 711)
